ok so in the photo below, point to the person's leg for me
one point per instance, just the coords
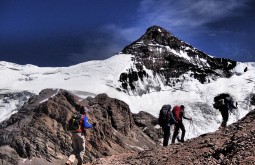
(183, 132)
(70, 160)
(81, 143)
(224, 123)
(176, 131)
(166, 135)
(75, 145)
(224, 114)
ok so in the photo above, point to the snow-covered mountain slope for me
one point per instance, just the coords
(11, 102)
(94, 77)
(165, 54)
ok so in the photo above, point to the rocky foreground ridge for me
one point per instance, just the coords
(37, 133)
(236, 147)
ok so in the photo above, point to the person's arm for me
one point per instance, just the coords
(185, 116)
(172, 116)
(233, 106)
(86, 123)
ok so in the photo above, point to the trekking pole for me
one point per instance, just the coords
(158, 142)
(249, 109)
(93, 133)
(159, 134)
(190, 127)
(193, 127)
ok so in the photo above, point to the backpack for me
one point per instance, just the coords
(219, 103)
(177, 113)
(75, 122)
(229, 103)
(166, 116)
(224, 101)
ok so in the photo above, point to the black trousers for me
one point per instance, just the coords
(224, 114)
(176, 131)
(166, 130)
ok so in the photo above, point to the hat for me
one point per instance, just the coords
(83, 110)
(86, 109)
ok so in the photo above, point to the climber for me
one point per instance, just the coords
(178, 112)
(78, 137)
(165, 120)
(224, 103)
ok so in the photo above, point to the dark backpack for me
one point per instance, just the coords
(75, 122)
(219, 104)
(224, 101)
(166, 116)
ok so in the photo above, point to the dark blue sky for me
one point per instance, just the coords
(63, 33)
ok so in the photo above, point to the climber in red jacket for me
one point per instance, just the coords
(178, 112)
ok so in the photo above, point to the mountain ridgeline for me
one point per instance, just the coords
(170, 58)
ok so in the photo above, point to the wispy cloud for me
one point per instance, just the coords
(189, 13)
(184, 18)
(179, 16)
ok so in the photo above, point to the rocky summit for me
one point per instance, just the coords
(170, 58)
(37, 133)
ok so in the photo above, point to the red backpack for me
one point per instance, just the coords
(177, 113)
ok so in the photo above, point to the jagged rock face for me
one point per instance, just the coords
(160, 51)
(11, 102)
(117, 113)
(38, 130)
(236, 146)
(116, 131)
(147, 123)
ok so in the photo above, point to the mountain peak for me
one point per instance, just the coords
(158, 35)
(170, 57)
(156, 28)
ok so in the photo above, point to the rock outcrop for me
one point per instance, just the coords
(37, 133)
(148, 123)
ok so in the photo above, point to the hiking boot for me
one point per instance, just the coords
(180, 140)
(68, 162)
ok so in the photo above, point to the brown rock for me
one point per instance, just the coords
(235, 147)
(38, 131)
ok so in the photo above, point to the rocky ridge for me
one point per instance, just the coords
(235, 146)
(37, 133)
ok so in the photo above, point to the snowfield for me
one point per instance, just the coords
(95, 77)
